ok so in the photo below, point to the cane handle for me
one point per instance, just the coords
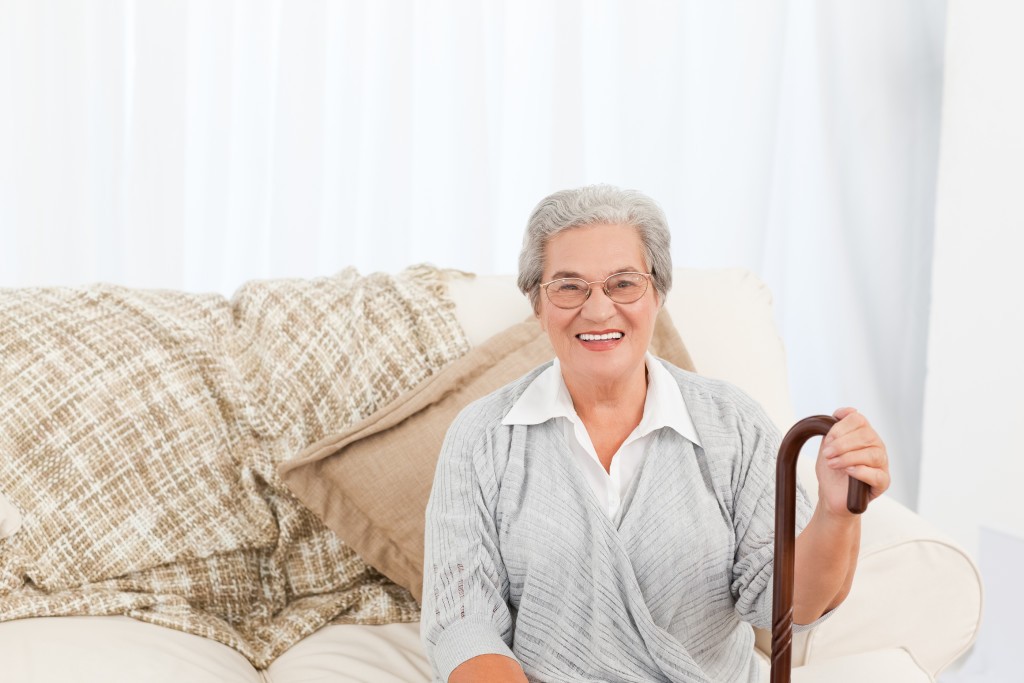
(785, 532)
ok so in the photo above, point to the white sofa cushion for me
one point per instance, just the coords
(354, 653)
(114, 650)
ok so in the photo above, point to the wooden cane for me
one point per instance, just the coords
(785, 531)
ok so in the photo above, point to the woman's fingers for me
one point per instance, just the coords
(841, 413)
(878, 479)
(853, 441)
(868, 456)
(853, 447)
(849, 421)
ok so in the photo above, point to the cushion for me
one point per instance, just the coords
(370, 483)
(355, 653)
(115, 650)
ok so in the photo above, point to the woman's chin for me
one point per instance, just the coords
(601, 366)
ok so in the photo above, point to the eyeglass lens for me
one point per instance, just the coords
(622, 288)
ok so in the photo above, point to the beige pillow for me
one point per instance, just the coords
(370, 484)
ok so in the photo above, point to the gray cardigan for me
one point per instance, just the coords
(522, 560)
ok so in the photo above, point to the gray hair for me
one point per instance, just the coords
(595, 205)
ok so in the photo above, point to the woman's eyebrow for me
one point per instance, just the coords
(566, 273)
(571, 273)
(625, 269)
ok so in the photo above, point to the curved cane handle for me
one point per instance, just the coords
(785, 531)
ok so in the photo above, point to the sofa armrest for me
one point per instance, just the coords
(914, 589)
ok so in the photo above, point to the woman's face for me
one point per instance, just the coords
(593, 253)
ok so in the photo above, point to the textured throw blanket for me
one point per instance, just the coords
(140, 433)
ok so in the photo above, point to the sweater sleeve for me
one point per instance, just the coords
(754, 516)
(465, 587)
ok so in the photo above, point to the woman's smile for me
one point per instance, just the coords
(603, 340)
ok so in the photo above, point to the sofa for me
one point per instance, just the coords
(150, 529)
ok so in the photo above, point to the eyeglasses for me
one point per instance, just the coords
(622, 288)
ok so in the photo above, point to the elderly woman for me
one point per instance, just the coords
(609, 517)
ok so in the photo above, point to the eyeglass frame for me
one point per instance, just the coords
(590, 290)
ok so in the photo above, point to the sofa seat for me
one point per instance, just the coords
(119, 649)
(352, 653)
(123, 650)
(115, 649)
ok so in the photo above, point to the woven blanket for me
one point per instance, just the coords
(140, 432)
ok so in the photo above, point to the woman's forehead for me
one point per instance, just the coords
(594, 251)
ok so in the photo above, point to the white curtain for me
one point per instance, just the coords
(195, 145)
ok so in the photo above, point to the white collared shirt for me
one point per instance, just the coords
(548, 398)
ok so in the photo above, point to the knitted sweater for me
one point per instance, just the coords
(522, 560)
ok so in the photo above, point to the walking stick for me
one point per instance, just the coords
(785, 531)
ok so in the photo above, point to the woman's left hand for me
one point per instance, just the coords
(851, 448)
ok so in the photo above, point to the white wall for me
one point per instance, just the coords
(973, 451)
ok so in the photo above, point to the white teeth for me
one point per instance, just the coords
(601, 337)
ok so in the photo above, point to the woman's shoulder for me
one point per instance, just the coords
(709, 398)
(701, 385)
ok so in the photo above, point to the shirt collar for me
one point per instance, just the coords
(547, 397)
(665, 406)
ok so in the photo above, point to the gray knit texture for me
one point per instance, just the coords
(522, 560)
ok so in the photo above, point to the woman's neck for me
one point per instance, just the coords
(623, 397)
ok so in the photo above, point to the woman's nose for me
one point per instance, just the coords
(598, 307)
